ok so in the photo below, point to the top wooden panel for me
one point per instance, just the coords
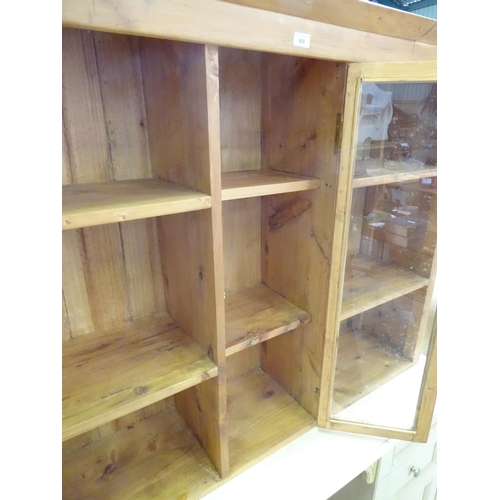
(220, 23)
(363, 16)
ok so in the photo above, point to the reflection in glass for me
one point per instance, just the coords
(390, 263)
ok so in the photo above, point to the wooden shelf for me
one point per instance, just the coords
(371, 283)
(373, 173)
(107, 202)
(364, 363)
(156, 458)
(251, 183)
(262, 418)
(257, 314)
(119, 370)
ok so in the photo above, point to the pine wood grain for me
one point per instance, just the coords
(262, 417)
(156, 458)
(124, 109)
(242, 245)
(364, 16)
(84, 123)
(104, 203)
(236, 185)
(256, 314)
(174, 78)
(216, 22)
(142, 260)
(240, 101)
(203, 407)
(373, 283)
(302, 99)
(119, 370)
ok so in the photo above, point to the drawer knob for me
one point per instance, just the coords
(416, 471)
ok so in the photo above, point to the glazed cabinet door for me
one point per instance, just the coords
(380, 354)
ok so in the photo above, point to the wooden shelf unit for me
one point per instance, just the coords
(200, 172)
(195, 253)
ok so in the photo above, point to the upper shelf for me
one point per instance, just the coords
(119, 370)
(107, 202)
(374, 173)
(250, 183)
(372, 283)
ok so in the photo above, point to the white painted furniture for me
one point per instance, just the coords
(408, 471)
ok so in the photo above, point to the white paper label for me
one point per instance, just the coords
(377, 224)
(301, 40)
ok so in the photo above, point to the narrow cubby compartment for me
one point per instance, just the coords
(261, 414)
(135, 140)
(150, 453)
(278, 119)
(254, 311)
(274, 155)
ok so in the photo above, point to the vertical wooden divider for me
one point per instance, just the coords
(340, 239)
(196, 237)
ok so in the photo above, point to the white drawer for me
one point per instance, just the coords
(396, 471)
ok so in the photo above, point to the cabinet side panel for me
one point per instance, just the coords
(302, 101)
(240, 101)
(199, 407)
(174, 76)
(84, 123)
(188, 274)
(241, 233)
(123, 104)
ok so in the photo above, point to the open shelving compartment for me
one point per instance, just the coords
(141, 394)
(278, 116)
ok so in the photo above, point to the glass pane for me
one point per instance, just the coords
(387, 303)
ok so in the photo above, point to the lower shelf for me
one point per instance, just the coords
(364, 363)
(111, 373)
(261, 418)
(156, 458)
